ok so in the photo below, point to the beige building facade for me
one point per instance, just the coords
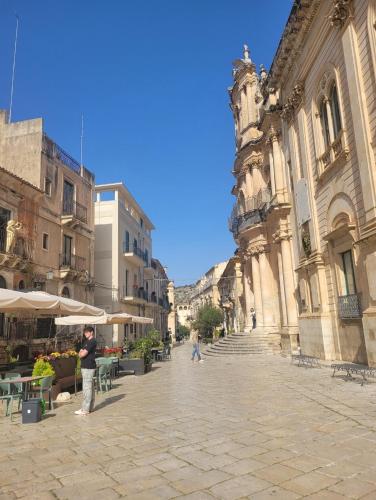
(46, 228)
(122, 259)
(305, 211)
(230, 288)
(206, 290)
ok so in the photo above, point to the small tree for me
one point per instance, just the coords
(208, 318)
(184, 331)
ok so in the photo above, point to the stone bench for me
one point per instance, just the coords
(354, 369)
(306, 361)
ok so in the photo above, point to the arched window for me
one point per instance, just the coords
(65, 292)
(3, 283)
(21, 285)
(324, 123)
(334, 108)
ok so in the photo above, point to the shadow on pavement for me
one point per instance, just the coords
(109, 401)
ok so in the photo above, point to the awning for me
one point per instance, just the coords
(43, 303)
(105, 319)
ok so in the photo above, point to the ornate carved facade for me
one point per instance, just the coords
(305, 211)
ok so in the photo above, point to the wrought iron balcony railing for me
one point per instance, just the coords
(349, 306)
(74, 209)
(53, 150)
(253, 212)
(73, 261)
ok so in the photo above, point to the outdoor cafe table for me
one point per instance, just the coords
(25, 381)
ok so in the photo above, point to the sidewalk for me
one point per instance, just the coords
(242, 427)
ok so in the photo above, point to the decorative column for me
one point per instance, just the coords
(258, 181)
(267, 288)
(248, 181)
(237, 308)
(277, 163)
(248, 299)
(271, 165)
(282, 291)
(244, 108)
(257, 287)
(288, 277)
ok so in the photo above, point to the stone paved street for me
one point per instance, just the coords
(253, 427)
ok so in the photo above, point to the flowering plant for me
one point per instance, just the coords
(57, 355)
(112, 351)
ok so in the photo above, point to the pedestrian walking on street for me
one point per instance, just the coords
(88, 366)
(195, 338)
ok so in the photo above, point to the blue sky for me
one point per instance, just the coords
(151, 79)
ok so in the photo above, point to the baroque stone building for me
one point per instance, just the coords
(305, 211)
(46, 230)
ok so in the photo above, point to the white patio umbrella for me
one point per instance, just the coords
(105, 319)
(43, 303)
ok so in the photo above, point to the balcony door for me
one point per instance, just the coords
(348, 277)
(68, 198)
(67, 250)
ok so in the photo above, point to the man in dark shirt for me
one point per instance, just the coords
(88, 366)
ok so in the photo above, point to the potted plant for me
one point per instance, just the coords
(42, 368)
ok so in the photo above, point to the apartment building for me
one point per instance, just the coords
(206, 289)
(127, 278)
(46, 226)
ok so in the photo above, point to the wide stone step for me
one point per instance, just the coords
(243, 344)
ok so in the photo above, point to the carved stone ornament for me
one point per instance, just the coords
(257, 249)
(281, 234)
(293, 101)
(340, 13)
(256, 162)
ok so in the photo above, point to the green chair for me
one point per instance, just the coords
(102, 377)
(9, 394)
(45, 386)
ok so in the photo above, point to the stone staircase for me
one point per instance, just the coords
(245, 343)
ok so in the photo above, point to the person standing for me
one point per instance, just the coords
(253, 318)
(88, 366)
(195, 338)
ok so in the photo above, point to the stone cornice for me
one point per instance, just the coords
(298, 25)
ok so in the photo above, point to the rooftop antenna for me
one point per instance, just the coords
(82, 136)
(13, 71)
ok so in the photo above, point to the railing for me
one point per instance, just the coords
(73, 262)
(138, 292)
(349, 306)
(333, 152)
(137, 251)
(74, 208)
(252, 213)
(52, 150)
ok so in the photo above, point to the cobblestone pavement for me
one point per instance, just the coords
(252, 427)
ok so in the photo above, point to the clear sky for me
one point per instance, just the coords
(151, 78)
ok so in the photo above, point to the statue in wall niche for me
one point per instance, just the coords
(13, 228)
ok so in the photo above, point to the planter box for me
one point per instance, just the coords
(134, 365)
(65, 369)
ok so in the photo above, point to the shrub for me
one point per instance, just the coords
(208, 318)
(135, 354)
(42, 368)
